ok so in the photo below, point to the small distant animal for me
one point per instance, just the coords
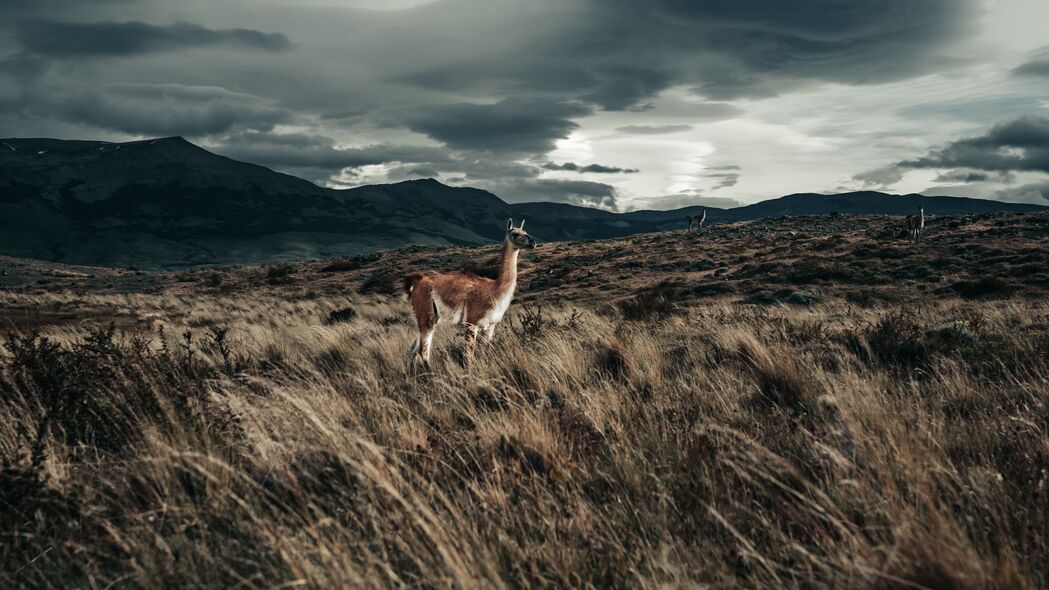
(466, 299)
(694, 220)
(916, 224)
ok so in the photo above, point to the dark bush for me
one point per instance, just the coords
(484, 267)
(530, 323)
(36, 519)
(802, 298)
(761, 297)
(701, 265)
(783, 386)
(952, 336)
(341, 315)
(100, 390)
(781, 381)
(381, 282)
(652, 303)
(348, 264)
(898, 340)
(614, 362)
(528, 459)
(984, 287)
(281, 274)
(712, 289)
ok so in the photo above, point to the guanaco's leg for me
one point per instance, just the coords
(424, 347)
(426, 319)
(471, 344)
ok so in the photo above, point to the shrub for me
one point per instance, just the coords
(897, 340)
(984, 287)
(613, 361)
(652, 303)
(781, 381)
(530, 323)
(98, 390)
(952, 335)
(484, 267)
(348, 264)
(279, 275)
(382, 282)
(35, 517)
(802, 298)
(341, 315)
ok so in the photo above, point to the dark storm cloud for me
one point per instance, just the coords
(697, 112)
(725, 179)
(1037, 64)
(575, 192)
(971, 176)
(857, 41)
(618, 54)
(963, 176)
(880, 177)
(299, 151)
(653, 129)
(1018, 145)
(22, 65)
(726, 176)
(683, 199)
(412, 172)
(595, 168)
(76, 40)
(513, 125)
(1038, 67)
(1032, 193)
(853, 42)
(619, 87)
(161, 109)
(487, 168)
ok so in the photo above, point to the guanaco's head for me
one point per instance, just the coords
(517, 235)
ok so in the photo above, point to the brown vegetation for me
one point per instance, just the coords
(890, 431)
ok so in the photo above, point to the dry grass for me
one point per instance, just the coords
(727, 445)
(258, 429)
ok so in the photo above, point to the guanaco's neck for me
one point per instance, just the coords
(508, 271)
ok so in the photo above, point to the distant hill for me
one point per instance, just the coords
(871, 203)
(166, 203)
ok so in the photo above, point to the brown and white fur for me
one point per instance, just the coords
(697, 219)
(916, 223)
(478, 303)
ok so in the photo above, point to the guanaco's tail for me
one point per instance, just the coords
(409, 281)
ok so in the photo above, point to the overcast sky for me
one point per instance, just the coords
(613, 103)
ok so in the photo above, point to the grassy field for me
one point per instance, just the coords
(785, 404)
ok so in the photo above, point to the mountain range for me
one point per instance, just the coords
(167, 203)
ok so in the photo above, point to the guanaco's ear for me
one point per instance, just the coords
(509, 224)
(522, 224)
